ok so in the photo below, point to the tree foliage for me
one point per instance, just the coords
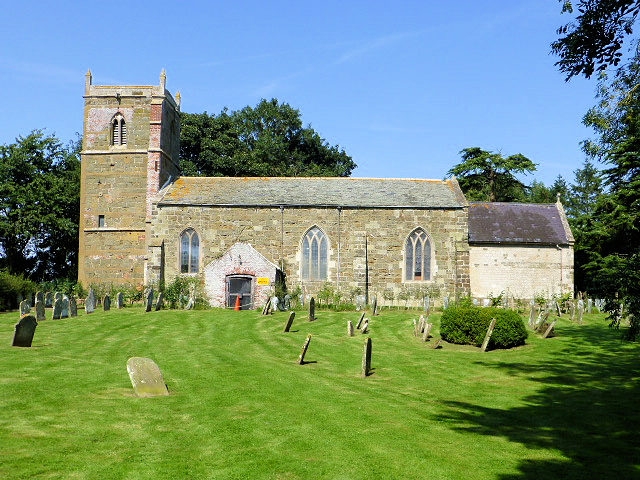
(268, 140)
(39, 207)
(594, 41)
(488, 176)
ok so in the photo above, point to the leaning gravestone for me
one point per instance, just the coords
(149, 302)
(73, 307)
(305, 347)
(25, 329)
(90, 302)
(366, 358)
(57, 308)
(106, 303)
(267, 307)
(365, 326)
(40, 312)
(487, 337)
(287, 327)
(120, 300)
(64, 307)
(25, 307)
(160, 301)
(359, 324)
(146, 377)
(427, 332)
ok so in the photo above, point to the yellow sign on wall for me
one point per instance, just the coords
(264, 281)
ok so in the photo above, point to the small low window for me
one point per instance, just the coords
(100, 221)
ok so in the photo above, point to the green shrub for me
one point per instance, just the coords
(178, 292)
(468, 324)
(13, 288)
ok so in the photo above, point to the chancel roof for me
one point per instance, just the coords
(346, 192)
(494, 222)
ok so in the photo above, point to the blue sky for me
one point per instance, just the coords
(401, 86)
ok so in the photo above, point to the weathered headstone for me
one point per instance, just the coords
(287, 327)
(312, 309)
(39, 297)
(146, 377)
(487, 337)
(549, 329)
(40, 311)
(90, 302)
(366, 358)
(427, 332)
(267, 308)
(160, 301)
(25, 307)
(374, 306)
(589, 305)
(360, 302)
(64, 307)
(106, 303)
(365, 326)
(532, 313)
(305, 347)
(57, 296)
(427, 304)
(445, 302)
(149, 301)
(190, 303)
(57, 308)
(48, 300)
(73, 307)
(580, 311)
(359, 324)
(274, 303)
(286, 304)
(350, 328)
(25, 329)
(120, 300)
(437, 344)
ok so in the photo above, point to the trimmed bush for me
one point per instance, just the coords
(12, 289)
(468, 324)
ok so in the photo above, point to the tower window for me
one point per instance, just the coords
(189, 251)
(118, 130)
(100, 221)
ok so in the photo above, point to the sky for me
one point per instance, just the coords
(401, 86)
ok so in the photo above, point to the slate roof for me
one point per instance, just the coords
(518, 223)
(343, 192)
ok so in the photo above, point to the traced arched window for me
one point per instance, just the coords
(189, 251)
(118, 130)
(417, 256)
(315, 251)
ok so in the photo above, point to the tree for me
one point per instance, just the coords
(593, 43)
(39, 207)
(268, 140)
(487, 176)
(614, 230)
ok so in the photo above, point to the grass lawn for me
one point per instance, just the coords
(242, 408)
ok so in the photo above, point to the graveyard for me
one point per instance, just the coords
(283, 396)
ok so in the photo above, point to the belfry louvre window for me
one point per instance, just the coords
(118, 130)
(189, 251)
(417, 256)
(315, 251)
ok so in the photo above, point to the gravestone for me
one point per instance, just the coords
(146, 377)
(25, 329)
(40, 312)
(90, 302)
(359, 324)
(487, 337)
(149, 301)
(287, 327)
(25, 307)
(57, 308)
(64, 307)
(48, 300)
(350, 328)
(445, 302)
(267, 307)
(589, 305)
(365, 326)
(549, 330)
(580, 311)
(190, 304)
(305, 347)
(366, 358)
(39, 297)
(312, 309)
(73, 307)
(374, 307)
(427, 304)
(57, 296)
(438, 344)
(427, 332)
(106, 303)
(287, 302)
(160, 301)
(120, 300)
(532, 313)
(360, 302)
(274, 303)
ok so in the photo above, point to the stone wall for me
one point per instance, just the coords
(357, 237)
(521, 271)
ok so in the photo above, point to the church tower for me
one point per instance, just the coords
(130, 149)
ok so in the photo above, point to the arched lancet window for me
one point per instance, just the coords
(417, 256)
(315, 252)
(118, 130)
(189, 251)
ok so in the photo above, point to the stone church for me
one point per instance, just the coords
(143, 224)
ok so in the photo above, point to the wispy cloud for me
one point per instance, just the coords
(375, 44)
